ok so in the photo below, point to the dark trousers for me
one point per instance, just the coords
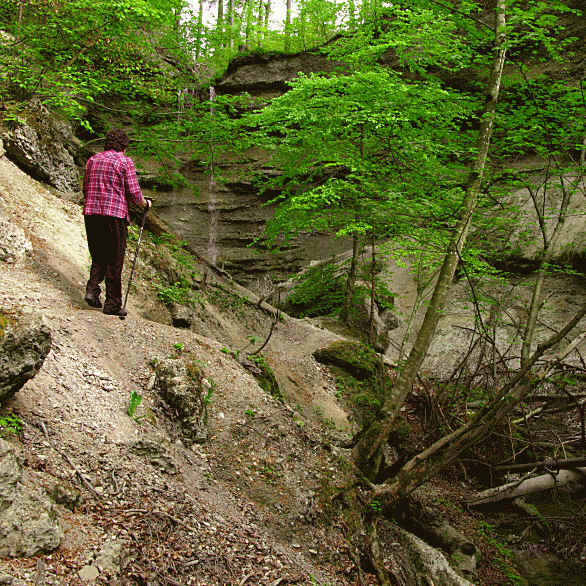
(106, 238)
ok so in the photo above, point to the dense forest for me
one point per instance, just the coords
(431, 115)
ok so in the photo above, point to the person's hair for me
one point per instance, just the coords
(116, 140)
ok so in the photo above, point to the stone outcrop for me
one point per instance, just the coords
(14, 245)
(355, 358)
(28, 520)
(268, 75)
(181, 315)
(24, 344)
(44, 147)
(383, 322)
(187, 392)
(523, 241)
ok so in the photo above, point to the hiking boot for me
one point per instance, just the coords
(93, 300)
(120, 312)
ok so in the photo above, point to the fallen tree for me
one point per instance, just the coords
(527, 486)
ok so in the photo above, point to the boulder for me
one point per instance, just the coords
(353, 357)
(14, 245)
(39, 146)
(267, 75)
(183, 386)
(181, 315)
(28, 520)
(24, 344)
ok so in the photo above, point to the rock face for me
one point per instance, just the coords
(268, 75)
(524, 241)
(181, 315)
(186, 390)
(241, 215)
(383, 322)
(43, 146)
(14, 245)
(24, 344)
(28, 521)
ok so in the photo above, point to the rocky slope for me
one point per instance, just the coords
(144, 494)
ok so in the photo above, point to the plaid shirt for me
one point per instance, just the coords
(109, 177)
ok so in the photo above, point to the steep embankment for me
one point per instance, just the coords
(152, 508)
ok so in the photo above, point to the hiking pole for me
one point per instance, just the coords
(135, 257)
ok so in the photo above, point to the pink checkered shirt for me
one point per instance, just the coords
(109, 177)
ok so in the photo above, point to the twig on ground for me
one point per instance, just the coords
(84, 480)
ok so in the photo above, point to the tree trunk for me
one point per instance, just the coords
(345, 315)
(528, 486)
(231, 23)
(259, 20)
(248, 27)
(367, 453)
(371, 330)
(444, 451)
(288, 26)
(220, 21)
(199, 29)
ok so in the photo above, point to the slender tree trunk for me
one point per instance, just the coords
(444, 451)
(220, 22)
(352, 14)
(267, 16)
(231, 23)
(371, 330)
(288, 26)
(249, 16)
(368, 451)
(199, 29)
(550, 246)
(345, 316)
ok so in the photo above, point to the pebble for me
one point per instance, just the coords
(89, 573)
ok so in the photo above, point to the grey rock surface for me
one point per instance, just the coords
(181, 315)
(112, 557)
(8, 580)
(88, 573)
(184, 389)
(14, 245)
(360, 319)
(39, 146)
(28, 520)
(156, 454)
(24, 344)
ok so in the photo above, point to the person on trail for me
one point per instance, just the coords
(110, 177)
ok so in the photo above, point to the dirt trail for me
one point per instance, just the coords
(236, 509)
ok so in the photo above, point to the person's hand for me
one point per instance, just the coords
(148, 203)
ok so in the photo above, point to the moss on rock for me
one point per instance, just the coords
(355, 358)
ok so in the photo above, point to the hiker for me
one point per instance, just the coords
(110, 177)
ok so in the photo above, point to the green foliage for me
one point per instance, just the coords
(180, 292)
(226, 300)
(504, 555)
(209, 393)
(69, 53)
(179, 347)
(318, 291)
(10, 424)
(133, 403)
